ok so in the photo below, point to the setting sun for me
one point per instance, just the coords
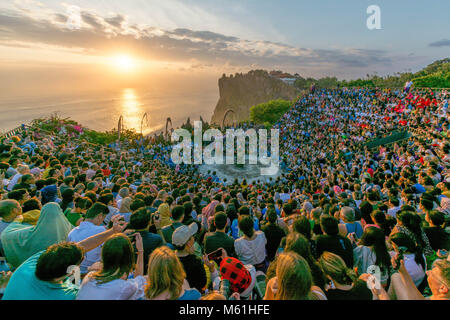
(123, 63)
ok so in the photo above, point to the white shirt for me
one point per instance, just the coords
(414, 269)
(251, 252)
(13, 181)
(285, 197)
(85, 230)
(130, 289)
(393, 211)
(112, 211)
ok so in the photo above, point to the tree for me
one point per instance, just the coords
(269, 112)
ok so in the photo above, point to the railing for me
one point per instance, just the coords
(21, 128)
(13, 132)
(387, 140)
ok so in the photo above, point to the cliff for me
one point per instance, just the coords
(242, 91)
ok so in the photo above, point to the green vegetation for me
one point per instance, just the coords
(435, 75)
(270, 112)
(55, 123)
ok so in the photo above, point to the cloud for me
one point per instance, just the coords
(440, 43)
(116, 21)
(104, 35)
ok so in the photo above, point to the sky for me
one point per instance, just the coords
(126, 43)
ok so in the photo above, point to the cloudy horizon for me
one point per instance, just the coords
(208, 38)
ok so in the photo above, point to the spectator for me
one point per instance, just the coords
(167, 278)
(22, 241)
(92, 225)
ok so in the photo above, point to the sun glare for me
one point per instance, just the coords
(124, 63)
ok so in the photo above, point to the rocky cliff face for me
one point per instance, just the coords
(242, 91)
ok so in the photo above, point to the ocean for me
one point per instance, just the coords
(102, 110)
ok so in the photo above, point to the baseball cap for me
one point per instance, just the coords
(182, 234)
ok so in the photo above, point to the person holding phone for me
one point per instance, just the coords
(403, 286)
(114, 280)
(140, 222)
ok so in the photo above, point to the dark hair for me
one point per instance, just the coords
(297, 243)
(272, 215)
(219, 208)
(302, 226)
(117, 259)
(427, 204)
(31, 204)
(40, 184)
(412, 222)
(380, 218)
(140, 219)
(287, 208)
(231, 212)
(83, 203)
(246, 225)
(68, 180)
(244, 210)
(137, 204)
(50, 181)
(149, 200)
(177, 212)
(67, 197)
(26, 177)
(374, 237)
(16, 194)
(329, 225)
(394, 201)
(53, 263)
(106, 198)
(169, 200)
(437, 217)
(403, 240)
(91, 195)
(220, 220)
(366, 209)
(96, 209)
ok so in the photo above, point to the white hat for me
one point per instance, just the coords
(182, 234)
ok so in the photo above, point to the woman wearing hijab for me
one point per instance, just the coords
(164, 213)
(21, 241)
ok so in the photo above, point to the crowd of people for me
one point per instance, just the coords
(344, 222)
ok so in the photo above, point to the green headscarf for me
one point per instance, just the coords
(21, 241)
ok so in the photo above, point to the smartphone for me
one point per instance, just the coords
(215, 255)
(401, 252)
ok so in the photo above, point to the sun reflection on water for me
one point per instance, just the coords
(131, 109)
